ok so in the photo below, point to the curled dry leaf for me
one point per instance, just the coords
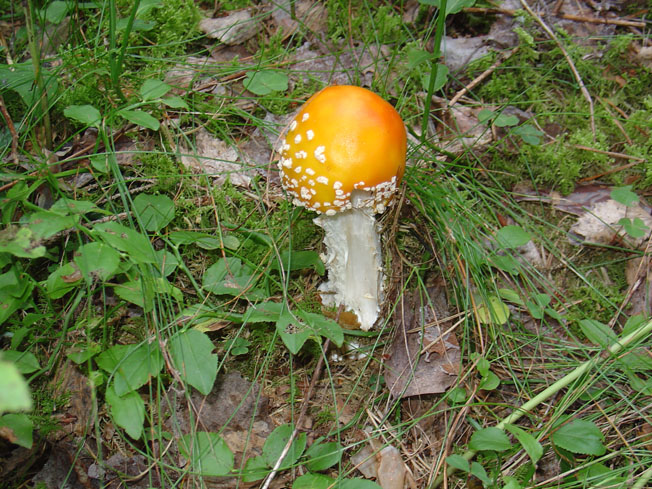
(235, 28)
(424, 357)
(309, 15)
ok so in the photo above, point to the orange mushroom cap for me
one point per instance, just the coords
(344, 138)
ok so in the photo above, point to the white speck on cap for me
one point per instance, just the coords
(297, 139)
(310, 134)
(319, 153)
(337, 185)
(305, 193)
(310, 171)
(322, 179)
(331, 212)
(301, 154)
(297, 169)
(287, 162)
(305, 117)
(293, 125)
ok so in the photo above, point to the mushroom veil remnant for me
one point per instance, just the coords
(343, 157)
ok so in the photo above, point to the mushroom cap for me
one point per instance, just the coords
(344, 138)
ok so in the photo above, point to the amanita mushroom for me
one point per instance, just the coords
(343, 157)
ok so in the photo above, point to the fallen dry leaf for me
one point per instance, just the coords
(391, 469)
(422, 360)
(235, 28)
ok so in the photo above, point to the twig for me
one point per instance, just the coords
(610, 153)
(482, 76)
(577, 76)
(562, 383)
(302, 413)
(574, 18)
(12, 130)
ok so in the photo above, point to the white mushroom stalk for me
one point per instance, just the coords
(354, 260)
(343, 157)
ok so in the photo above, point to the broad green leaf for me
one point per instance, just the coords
(82, 353)
(56, 11)
(599, 475)
(131, 365)
(537, 305)
(512, 236)
(140, 118)
(255, 469)
(580, 436)
(14, 392)
(208, 453)
(300, 260)
(21, 242)
(457, 395)
(167, 262)
(204, 240)
(506, 263)
(314, 481)
(529, 134)
(322, 326)
(440, 78)
(125, 239)
(505, 120)
(102, 162)
(458, 462)
(97, 260)
(293, 331)
(636, 228)
(155, 211)
(490, 438)
(417, 56)
(67, 207)
(452, 6)
(128, 411)
(192, 355)
(175, 102)
(62, 280)
(624, 195)
(510, 296)
(264, 312)
(137, 292)
(228, 276)
(489, 382)
(492, 311)
(598, 333)
(46, 224)
(531, 446)
(154, 89)
(265, 82)
(478, 471)
(18, 429)
(86, 114)
(26, 362)
(511, 483)
(321, 456)
(275, 443)
(357, 483)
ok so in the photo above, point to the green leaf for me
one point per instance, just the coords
(82, 353)
(292, 331)
(155, 211)
(14, 392)
(490, 438)
(26, 362)
(166, 261)
(102, 162)
(512, 236)
(56, 11)
(321, 456)
(511, 296)
(492, 311)
(440, 79)
(21, 242)
(624, 195)
(228, 276)
(276, 442)
(175, 102)
(137, 292)
(154, 89)
(265, 312)
(457, 395)
(191, 352)
(65, 207)
(208, 453)
(489, 382)
(131, 365)
(323, 326)
(18, 429)
(537, 305)
(127, 240)
(140, 118)
(46, 224)
(300, 260)
(128, 411)
(531, 446)
(458, 462)
(417, 56)
(86, 114)
(506, 263)
(505, 120)
(478, 471)
(598, 333)
(255, 469)
(452, 6)
(529, 134)
(62, 280)
(580, 436)
(357, 483)
(97, 260)
(314, 481)
(265, 82)
(204, 240)
(636, 228)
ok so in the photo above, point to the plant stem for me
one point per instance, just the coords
(556, 387)
(436, 54)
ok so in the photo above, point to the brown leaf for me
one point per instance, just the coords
(424, 357)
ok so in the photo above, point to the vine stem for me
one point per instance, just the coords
(580, 370)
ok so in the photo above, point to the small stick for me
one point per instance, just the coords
(12, 130)
(610, 153)
(583, 89)
(482, 76)
(574, 18)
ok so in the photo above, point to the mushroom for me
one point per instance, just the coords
(343, 157)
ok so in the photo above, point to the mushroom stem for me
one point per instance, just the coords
(353, 260)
